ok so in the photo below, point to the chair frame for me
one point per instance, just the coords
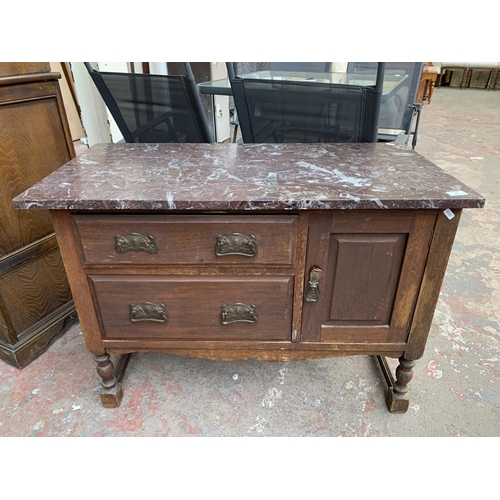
(128, 135)
(378, 87)
(412, 109)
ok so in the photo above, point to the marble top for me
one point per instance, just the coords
(231, 177)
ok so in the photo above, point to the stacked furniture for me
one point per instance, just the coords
(35, 140)
(468, 68)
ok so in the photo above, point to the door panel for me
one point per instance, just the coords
(372, 267)
(366, 270)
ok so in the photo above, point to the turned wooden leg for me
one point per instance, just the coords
(111, 392)
(396, 396)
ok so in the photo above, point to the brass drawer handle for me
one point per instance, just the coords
(312, 293)
(147, 311)
(135, 242)
(238, 313)
(236, 244)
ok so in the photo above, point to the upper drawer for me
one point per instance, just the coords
(187, 239)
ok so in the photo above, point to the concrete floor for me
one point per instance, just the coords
(455, 390)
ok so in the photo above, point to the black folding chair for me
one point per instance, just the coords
(303, 111)
(154, 108)
(397, 112)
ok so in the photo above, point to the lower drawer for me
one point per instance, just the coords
(194, 307)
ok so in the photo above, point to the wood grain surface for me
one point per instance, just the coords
(271, 351)
(32, 145)
(31, 291)
(78, 282)
(439, 253)
(187, 239)
(372, 266)
(23, 68)
(193, 306)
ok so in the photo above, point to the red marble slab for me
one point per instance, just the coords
(231, 177)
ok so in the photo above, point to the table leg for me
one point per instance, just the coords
(396, 396)
(111, 392)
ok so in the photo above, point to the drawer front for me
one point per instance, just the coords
(194, 308)
(187, 239)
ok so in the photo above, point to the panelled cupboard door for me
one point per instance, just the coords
(371, 266)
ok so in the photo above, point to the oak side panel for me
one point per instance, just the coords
(77, 278)
(35, 340)
(33, 143)
(439, 254)
(411, 275)
(7, 331)
(33, 290)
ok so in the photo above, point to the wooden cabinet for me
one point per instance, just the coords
(280, 259)
(35, 298)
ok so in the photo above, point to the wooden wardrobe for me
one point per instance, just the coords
(35, 140)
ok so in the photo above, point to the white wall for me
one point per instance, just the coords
(158, 68)
(221, 103)
(117, 67)
(94, 114)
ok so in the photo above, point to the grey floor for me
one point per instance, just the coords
(455, 390)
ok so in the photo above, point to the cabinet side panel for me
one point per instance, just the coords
(7, 333)
(411, 275)
(77, 280)
(28, 153)
(439, 253)
(33, 290)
